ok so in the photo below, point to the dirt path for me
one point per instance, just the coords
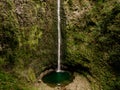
(79, 83)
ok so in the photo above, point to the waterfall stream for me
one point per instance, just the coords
(59, 35)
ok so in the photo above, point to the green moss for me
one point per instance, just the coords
(70, 2)
(92, 42)
(27, 35)
(90, 35)
(8, 82)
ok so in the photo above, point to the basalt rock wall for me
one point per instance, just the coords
(90, 40)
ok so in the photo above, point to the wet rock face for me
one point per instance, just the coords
(75, 10)
(26, 12)
(28, 33)
(90, 37)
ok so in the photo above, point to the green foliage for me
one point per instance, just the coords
(8, 82)
(28, 40)
(90, 33)
(70, 2)
(94, 43)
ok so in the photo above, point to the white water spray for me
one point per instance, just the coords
(59, 36)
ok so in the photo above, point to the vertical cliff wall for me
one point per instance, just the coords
(90, 40)
(92, 36)
(28, 35)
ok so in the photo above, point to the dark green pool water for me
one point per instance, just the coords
(57, 78)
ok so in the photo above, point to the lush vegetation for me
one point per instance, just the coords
(28, 41)
(90, 40)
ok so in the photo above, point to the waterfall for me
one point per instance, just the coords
(59, 35)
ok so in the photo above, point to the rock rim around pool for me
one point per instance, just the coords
(53, 78)
(80, 82)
